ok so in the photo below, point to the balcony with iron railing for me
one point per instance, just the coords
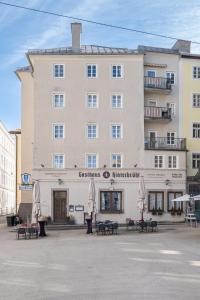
(157, 84)
(165, 143)
(157, 113)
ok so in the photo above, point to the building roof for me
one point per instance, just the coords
(142, 49)
(85, 49)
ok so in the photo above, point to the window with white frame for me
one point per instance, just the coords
(196, 100)
(117, 71)
(58, 131)
(58, 71)
(159, 161)
(172, 106)
(172, 205)
(172, 162)
(196, 130)
(117, 101)
(58, 100)
(91, 71)
(116, 161)
(156, 201)
(92, 131)
(58, 161)
(196, 72)
(151, 73)
(92, 101)
(116, 131)
(195, 160)
(171, 138)
(91, 161)
(171, 77)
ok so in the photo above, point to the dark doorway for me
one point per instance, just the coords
(59, 205)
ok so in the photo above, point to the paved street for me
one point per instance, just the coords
(71, 265)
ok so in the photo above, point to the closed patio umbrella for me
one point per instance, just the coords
(142, 197)
(36, 206)
(91, 204)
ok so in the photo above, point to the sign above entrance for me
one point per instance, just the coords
(26, 177)
(107, 174)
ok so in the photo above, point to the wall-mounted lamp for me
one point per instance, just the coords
(75, 166)
(167, 181)
(104, 166)
(60, 181)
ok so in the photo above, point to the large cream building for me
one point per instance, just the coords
(190, 95)
(108, 113)
(7, 172)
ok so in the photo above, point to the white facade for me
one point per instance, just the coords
(89, 118)
(7, 172)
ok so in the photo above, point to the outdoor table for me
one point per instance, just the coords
(191, 218)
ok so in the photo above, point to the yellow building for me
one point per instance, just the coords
(190, 97)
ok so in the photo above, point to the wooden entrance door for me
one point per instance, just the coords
(59, 203)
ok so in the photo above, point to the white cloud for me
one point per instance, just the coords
(57, 30)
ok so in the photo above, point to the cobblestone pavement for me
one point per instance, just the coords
(72, 265)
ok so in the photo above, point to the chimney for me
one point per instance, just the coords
(182, 45)
(76, 29)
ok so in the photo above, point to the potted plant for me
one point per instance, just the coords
(153, 211)
(49, 221)
(160, 212)
(70, 220)
(173, 211)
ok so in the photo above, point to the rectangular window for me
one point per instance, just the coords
(116, 101)
(151, 73)
(92, 131)
(156, 201)
(91, 71)
(58, 100)
(171, 77)
(58, 161)
(196, 100)
(116, 131)
(159, 161)
(196, 130)
(171, 205)
(111, 202)
(172, 162)
(196, 72)
(171, 138)
(117, 71)
(92, 101)
(195, 160)
(58, 71)
(91, 161)
(116, 161)
(58, 131)
(172, 106)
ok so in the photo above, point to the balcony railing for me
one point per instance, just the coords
(154, 112)
(159, 83)
(165, 143)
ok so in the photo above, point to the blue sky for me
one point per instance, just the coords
(21, 30)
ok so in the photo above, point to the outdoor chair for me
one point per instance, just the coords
(130, 224)
(21, 231)
(100, 228)
(154, 226)
(32, 232)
